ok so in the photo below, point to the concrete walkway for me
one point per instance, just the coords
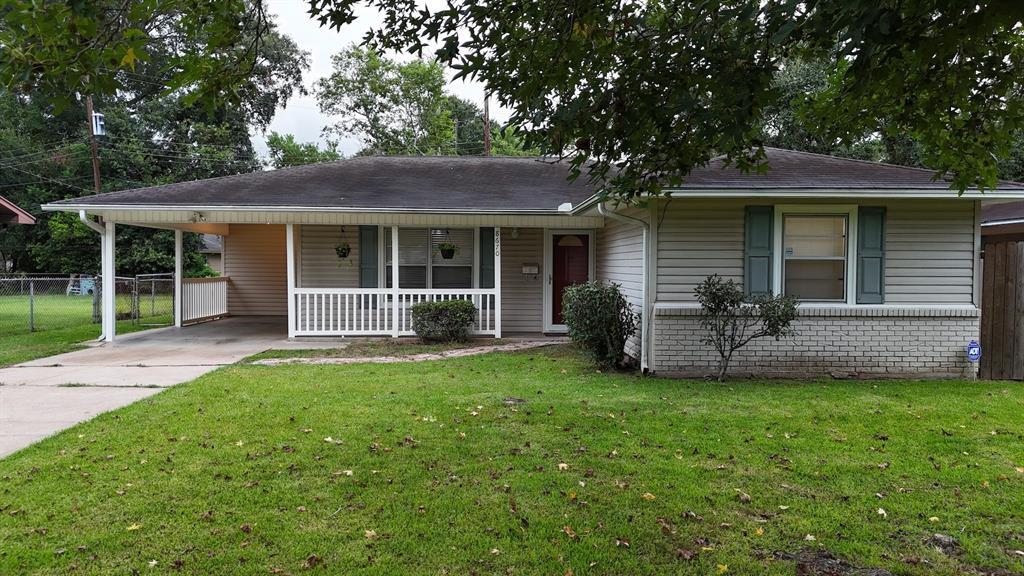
(44, 396)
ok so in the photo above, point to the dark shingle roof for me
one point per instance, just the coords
(792, 169)
(1002, 212)
(376, 182)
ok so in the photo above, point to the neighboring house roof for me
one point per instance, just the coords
(1002, 213)
(211, 244)
(10, 213)
(383, 183)
(791, 169)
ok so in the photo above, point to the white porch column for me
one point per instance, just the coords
(108, 283)
(396, 308)
(497, 282)
(290, 263)
(178, 236)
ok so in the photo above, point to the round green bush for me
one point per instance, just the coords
(444, 320)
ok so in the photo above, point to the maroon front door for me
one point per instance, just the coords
(570, 263)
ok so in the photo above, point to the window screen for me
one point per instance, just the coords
(412, 258)
(814, 257)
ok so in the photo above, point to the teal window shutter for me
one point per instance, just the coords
(757, 253)
(368, 256)
(870, 255)
(487, 257)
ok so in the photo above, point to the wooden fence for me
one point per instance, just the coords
(1002, 311)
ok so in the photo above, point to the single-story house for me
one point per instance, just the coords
(885, 259)
(11, 213)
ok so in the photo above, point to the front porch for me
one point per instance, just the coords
(362, 279)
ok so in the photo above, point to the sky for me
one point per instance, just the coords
(302, 117)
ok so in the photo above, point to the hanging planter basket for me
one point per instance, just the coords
(343, 250)
(448, 250)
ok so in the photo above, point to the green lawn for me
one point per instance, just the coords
(15, 348)
(425, 468)
(63, 323)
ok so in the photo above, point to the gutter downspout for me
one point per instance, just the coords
(99, 229)
(645, 307)
(102, 231)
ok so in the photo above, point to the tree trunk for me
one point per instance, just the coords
(723, 367)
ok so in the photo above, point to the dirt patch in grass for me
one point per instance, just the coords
(412, 353)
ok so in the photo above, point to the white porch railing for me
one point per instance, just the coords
(203, 298)
(375, 312)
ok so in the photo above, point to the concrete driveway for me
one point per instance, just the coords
(44, 396)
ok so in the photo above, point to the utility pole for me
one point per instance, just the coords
(487, 127)
(92, 143)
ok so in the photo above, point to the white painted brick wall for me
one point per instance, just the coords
(927, 346)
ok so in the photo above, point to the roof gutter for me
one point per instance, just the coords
(645, 307)
(59, 207)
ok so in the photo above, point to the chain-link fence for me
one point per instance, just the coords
(39, 302)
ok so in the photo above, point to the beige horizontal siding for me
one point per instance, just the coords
(254, 260)
(620, 255)
(934, 241)
(320, 266)
(522, 297)
(694, 240)
(929, 247)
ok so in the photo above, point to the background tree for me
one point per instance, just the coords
(394, 108)
(156, 134)
(285, 151)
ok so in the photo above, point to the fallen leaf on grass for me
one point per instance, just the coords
(723, 568)
(621, 543)
(933, 519)
(371, 534)
(883, 513)
(495, 551)
(759, 532)
(313, 561)
(809, 538)
(569, 532)
(562, 466)
(648, 496)
(134, 527)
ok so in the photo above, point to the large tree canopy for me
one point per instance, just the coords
(656, 88)
(155, 135)
(652, 89)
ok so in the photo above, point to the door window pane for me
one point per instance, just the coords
(814, 257)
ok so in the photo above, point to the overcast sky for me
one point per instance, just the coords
(302, 116)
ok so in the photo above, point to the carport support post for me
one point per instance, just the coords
(289, 242)
(497, 282)
(395, 305)
(178, 267)
(109, 282)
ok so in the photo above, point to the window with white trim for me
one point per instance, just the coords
(814, 252)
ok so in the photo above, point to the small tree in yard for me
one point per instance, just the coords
(732, 320)
(600, 320)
